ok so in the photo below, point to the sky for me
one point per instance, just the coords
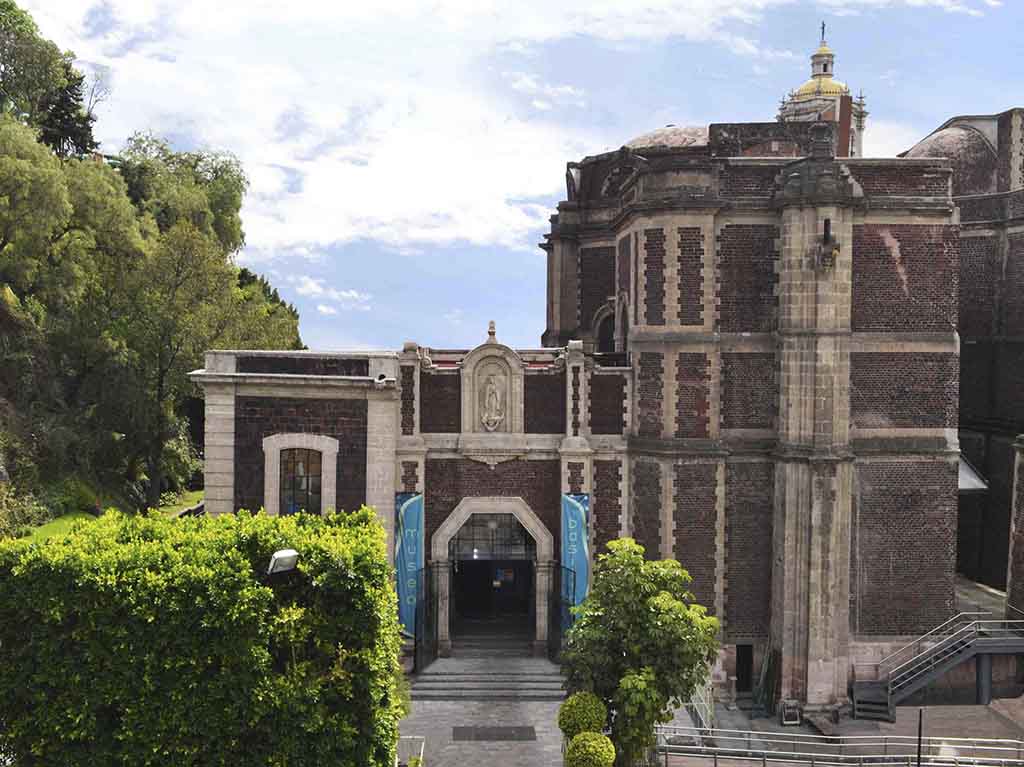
(404, 157)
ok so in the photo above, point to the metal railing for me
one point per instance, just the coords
(409, 747)
(701, 706)
(953, 643)
(914, 648)
(857, 750)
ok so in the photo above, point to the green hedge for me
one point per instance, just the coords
(590, 749)
(581, 712)
(151, 641)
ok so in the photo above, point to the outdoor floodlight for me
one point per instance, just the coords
(283, 561)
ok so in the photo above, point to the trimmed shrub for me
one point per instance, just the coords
(590, 749)
(581, 712)
(152, 641)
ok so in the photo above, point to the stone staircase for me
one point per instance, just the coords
(489, 665)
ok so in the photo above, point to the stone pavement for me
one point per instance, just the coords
(434, 719)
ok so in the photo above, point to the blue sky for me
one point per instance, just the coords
(404, 157)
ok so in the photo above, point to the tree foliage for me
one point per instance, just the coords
(640, 643)
(40, 85)
(150, 641)
(117, 278)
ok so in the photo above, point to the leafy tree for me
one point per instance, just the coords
(183, 294)
(640, 643)
(66, 124)
(40, 85)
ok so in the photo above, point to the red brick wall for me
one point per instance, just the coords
(748, 180)
(624, 264)
(749, 489)
(304, 365)
(902, 571)
(904, 390)
(750, 395)
(900, 180)
(975, 381)
(979, 277)
(693, 380)
(596, 282)
(693, 492)
(448, 481)
(654, 276)
(575, 477)
(607, 404)
(649, 394)
(691, 275)
(407, 382)
(259, 417)
(410, 476)
(607, 504)
(1013, 288)
(544, 403)
(440, 403)
(1009, 401)
(647, 507)
(746, 283)
(907, 282)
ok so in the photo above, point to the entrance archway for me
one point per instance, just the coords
(445, 543)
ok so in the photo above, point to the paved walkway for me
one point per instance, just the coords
(436, 719)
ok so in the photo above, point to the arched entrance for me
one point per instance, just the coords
(506, 536)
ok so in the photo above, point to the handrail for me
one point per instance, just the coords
(971, 629)
(956, 618)
(833, 740)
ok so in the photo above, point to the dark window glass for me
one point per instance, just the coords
(300, 481)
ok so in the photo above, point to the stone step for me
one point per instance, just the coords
(496, 678)
(485, 695)
(486, 684)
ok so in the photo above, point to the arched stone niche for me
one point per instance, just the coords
(492, 389)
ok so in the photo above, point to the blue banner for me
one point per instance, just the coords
(575, 543)
(409, 555)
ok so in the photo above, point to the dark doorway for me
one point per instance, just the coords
(493, 588)
(744, 668)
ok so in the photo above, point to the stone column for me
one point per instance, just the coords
(542, 587)
(381, 445)
(814, 462)
(442, 571)
(1015, 565)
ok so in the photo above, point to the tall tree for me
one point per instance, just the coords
(65, 124)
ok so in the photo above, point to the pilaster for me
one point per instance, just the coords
(814, 464)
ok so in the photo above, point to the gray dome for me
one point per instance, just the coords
(970, 154)
(671, 136)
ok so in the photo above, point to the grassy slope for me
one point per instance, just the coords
(63, 524)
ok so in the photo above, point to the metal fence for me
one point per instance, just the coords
(742, 746)
(560, 603)
(425, 643)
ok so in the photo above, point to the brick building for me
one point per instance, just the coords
(751, 364)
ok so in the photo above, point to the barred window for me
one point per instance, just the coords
(300, 481)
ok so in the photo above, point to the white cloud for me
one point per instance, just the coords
(545, 93)
(883, 138)
(374, 121)
(455, 316)
(314, 288)
(324, 309)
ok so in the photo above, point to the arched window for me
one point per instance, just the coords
(300, 481)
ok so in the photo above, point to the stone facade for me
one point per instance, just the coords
(779, 410)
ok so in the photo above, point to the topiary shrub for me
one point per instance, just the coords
(581, 712)
(153, 641)
(590, 749)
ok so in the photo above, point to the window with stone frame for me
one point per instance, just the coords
(300, 481)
